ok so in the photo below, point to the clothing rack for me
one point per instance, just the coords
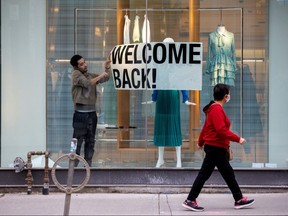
(133, 9)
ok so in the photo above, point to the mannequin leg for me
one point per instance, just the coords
(160, 161)
(178, 155)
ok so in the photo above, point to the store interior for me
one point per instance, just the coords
(125, 125)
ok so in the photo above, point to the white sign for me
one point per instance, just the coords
(163, 66)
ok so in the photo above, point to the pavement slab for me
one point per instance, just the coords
(138, 204)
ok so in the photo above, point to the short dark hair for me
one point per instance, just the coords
(220, 90)
(74, 60)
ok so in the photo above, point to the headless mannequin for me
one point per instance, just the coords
(161, 161)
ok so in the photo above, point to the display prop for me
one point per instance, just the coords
(163, 66)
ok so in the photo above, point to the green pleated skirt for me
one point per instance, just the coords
(167, 126)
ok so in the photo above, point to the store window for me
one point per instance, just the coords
(125, 132)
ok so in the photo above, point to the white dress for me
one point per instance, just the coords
(146, 30)
(136, 30)
(126, 31)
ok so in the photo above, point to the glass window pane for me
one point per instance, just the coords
(125, 130)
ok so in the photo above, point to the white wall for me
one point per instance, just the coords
(278, 82)
(23, 106)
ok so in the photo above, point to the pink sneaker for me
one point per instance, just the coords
(243, 203)
(192, 205)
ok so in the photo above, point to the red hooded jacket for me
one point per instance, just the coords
(216, 129)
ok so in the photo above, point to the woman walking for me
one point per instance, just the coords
(215, 138)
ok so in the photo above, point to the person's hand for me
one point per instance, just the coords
(108, 62)
(242, 141)
(189, 103)
(104, 74)
(199, 147)
(147, 102)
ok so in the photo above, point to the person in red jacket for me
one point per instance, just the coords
(215, 138)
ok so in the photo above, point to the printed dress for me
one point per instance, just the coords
(221, 60)
(167, 125)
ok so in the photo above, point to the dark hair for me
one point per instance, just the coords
(74, 60)
(220, 90)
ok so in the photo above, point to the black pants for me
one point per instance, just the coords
(215, 156)
(84, 124)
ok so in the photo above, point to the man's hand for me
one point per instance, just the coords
(147, 102)
(189, 103)
(103, 75)
(108, 62)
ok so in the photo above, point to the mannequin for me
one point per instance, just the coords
(161, 161)
(167, 126)
(221, 57)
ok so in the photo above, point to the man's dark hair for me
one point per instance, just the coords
(74, 60)
(220, 90)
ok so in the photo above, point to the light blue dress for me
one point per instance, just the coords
(167, 125)
(221, 59)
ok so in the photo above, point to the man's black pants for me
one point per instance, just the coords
(84, 124)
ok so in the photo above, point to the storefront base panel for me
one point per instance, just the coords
(147, 180)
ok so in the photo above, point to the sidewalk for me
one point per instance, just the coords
(138, 204)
